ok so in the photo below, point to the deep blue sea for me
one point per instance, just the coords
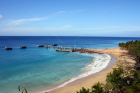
(40, 67)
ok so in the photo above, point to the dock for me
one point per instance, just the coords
(65, 49)
(70, 49)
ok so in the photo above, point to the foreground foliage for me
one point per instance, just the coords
(96, 88)
(83, 90)
(23, 89)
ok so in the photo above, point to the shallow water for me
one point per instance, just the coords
(37, 68)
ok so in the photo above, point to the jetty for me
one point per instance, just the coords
(71, 49)
(23, 47)
(65, 49)
(40, 45)
(8, 48)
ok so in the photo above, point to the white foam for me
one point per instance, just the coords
(99, 62)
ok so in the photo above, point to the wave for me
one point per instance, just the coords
(99, 62)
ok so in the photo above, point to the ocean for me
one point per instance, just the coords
(39, 67)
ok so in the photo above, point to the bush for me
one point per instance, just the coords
(83, 90)
(97, 88)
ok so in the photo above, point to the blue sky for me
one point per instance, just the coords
(119, 18)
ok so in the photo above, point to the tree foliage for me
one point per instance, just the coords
(97, 88)
(133, 47)
(83, 90)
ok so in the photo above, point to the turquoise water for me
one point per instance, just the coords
(43, 68)
(38, 68)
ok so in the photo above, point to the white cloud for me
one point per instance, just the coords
(18, 29)
(80, 10)
(61, 11)
(0, 16)
(107, 27)
(21, 21)
(66, 26)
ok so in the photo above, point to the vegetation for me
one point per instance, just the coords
(83, 90)
(122, 80)
(134, 50)
(96, 88)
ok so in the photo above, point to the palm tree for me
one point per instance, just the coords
(83, 90)
(97, 88)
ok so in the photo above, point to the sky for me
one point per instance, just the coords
(115, 18)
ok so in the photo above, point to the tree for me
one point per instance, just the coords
(116, 80)
(83, 90)
(97, 88)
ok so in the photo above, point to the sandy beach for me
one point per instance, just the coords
(87, 82)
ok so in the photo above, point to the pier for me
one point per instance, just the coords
(65, 49)
(71, 49)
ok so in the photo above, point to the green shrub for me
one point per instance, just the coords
(97, 88)
(83, 90)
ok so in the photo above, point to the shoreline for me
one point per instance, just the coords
(111, 63)
(55, 88)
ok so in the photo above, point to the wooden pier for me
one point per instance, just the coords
(65, 49)
(70, 49)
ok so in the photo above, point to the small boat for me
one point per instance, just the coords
(54, 44)
(40, 45)
(23, 47)
(8, 48)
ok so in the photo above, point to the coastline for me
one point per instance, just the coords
(72, 86)
(88, 81)
(57, 88)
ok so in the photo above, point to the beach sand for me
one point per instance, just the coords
(89, 81)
